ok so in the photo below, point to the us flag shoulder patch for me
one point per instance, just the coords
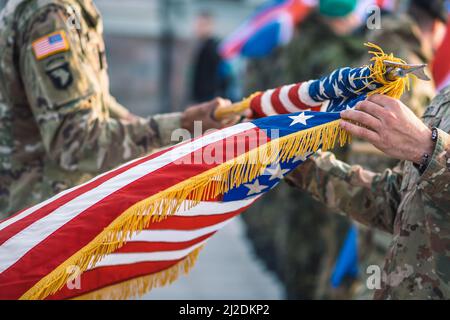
(50, 44)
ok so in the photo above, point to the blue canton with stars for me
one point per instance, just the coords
(277, 127)
(344, 88)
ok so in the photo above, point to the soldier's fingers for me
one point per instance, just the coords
(360, 132)
(371, 108)
(382, 100)
(363, 118)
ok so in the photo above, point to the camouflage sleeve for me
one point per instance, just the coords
(165, 123)
(116, 110)
(369, 198)
(435, 181)
(69, 104)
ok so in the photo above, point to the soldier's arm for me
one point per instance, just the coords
(365, 196)
(435, 181)
(68, 103)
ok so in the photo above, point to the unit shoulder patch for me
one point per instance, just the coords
(50, 44)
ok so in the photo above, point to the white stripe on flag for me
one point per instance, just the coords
(266, 103)
(174, 236)
(206, 208)
(130, 258)
(284, 98)
(21, 243)
(303, 93)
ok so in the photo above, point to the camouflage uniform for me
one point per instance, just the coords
(59, 125)
(414, 208)
(400, 35)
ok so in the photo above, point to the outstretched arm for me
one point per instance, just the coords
(369, 198)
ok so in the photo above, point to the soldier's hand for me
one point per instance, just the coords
(204, 113)
(391, 127)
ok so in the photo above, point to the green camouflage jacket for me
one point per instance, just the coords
(414, 208)
(59, 125)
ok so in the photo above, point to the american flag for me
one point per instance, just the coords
(441, 63)
(139, 226)
(50, 44)
(77, 226)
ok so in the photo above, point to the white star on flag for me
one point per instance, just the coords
(301, 118)
(349, 108)
(255, 188)
(276, 173)
(303, 157)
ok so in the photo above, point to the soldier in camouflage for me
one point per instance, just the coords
(411, 36)
(59, 125)
(410, 201)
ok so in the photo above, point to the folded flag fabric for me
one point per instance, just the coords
(344, 87)
(140, 225)
(270, 26)
(441, 63)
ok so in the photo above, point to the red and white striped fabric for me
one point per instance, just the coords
(284, 100)
(162, 246)
(36, 241)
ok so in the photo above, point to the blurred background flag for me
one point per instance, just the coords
(270, 26)
(441, 63)
(364, 7)
(347, 261)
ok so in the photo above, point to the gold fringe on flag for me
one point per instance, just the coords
(139, 286)
(212, 183)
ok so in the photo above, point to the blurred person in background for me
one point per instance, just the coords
(211, 75)
(59, 124)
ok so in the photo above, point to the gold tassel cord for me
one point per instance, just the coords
(378, 71)
(212, 183)
(139, 286)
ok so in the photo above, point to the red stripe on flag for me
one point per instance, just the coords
(295, 99)
(94, 279)
(141, 246)
(194, 222)
(256, 107)
(276, 102)
(106, 276)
